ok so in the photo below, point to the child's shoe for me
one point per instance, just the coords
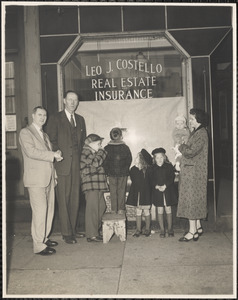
(171, 233)
(147, 233)
(137, 233)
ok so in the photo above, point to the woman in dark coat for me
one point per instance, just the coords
(163, 189)
(193, 176)
(139, 194)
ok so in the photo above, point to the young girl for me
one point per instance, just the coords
(138, 194)
(94, 184)
(162, 189)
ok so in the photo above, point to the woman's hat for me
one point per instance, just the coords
(158, 150)
(147, 157)
(92, 138)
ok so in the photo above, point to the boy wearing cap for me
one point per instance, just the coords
(117, 166)
(94, 184)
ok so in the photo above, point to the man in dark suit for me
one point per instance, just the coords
(67, 132)
(40, 179)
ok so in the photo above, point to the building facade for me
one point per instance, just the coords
(119, 52)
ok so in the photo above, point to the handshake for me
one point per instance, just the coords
(58, 155)
(161, 188)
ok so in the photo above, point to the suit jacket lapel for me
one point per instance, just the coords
(38, 137)
(65, 120)
(79, 127)
(35, 133)
(48, 140)
(66, 123)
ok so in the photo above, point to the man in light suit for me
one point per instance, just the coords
(40, 179)
(67, 132)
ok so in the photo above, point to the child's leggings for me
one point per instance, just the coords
(167, 210)
(139, 211)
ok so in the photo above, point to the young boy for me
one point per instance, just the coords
(117, 166)
(94, 183)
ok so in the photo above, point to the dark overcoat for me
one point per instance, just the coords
(160, 176)
(139, 189)
(193, 176)
(59, 131)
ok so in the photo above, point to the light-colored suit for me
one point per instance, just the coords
(39, 178)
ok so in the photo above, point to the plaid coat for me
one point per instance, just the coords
(92, 173)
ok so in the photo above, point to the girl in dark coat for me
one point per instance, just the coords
(163, 189)
(139, 191)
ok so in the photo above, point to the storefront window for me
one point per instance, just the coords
(10, 101)
(125, 69)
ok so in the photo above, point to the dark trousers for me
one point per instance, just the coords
(117, 186)
(67, 192)
(95, 208)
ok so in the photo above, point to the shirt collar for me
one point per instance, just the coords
(68, 114)
(37, 127)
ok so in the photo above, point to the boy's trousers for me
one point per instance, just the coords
(95, 208)
(117, 186)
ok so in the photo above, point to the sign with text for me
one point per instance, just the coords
(139, 85)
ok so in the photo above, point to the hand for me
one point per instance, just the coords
(162, 188)
(58, 151)
(183, 140)
(177, 166)
(57, 155)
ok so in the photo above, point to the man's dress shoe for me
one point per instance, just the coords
(47, 251)
(95, 239)
(80, 235)
(70, 239)
(50, 243)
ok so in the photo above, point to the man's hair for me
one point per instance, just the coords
(70, 91)
(38, 107)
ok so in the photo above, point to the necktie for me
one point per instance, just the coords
(45, 140)
(72, 121)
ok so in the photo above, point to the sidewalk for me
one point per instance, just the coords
(140, 266)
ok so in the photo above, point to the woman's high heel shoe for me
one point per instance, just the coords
(200, 231)
(195, 237)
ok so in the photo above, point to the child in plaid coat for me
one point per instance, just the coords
(94, 183)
